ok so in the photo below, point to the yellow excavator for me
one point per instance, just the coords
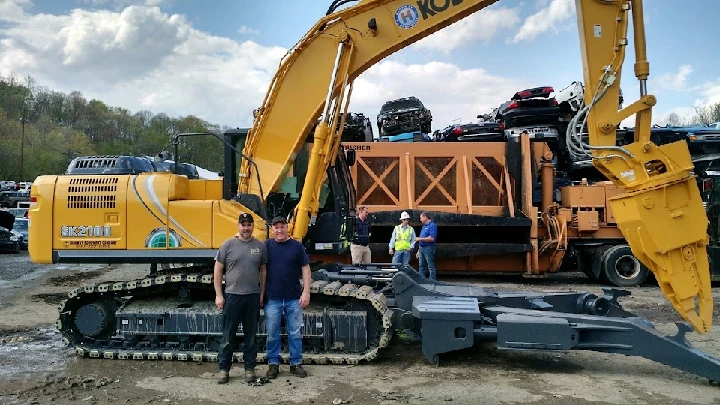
(113, 210)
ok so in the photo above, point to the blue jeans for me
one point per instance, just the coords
(427, 261)
(293, 324)
(401, 257)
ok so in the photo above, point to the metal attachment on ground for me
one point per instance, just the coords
(259, 382)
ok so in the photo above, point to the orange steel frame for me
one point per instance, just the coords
(449, 177)
(465, 178)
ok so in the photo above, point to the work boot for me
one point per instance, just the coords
(298, 371)
(273, 371)
(250, 376)
(224, 377)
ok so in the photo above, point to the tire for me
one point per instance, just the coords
(622, 268)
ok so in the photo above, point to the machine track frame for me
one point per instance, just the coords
(447, 317)
(114, 346)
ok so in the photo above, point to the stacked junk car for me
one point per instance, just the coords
(499, 190)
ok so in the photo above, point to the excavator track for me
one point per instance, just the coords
(99, 298)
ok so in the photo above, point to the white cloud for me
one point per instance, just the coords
(483, 25)
(202, 78)
(710, 93)
(245, 30)
(442, 87)
(125, 3)
(547, 19)
(92, 46)
(675, 80)
(141, 58)
(13, 10)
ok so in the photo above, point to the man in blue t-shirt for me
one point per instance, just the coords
(427, 241)
(287, 263)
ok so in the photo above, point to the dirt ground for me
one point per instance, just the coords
(35, 367)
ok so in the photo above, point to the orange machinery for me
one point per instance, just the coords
(481, 197)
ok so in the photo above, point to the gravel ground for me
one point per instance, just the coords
(36, 368)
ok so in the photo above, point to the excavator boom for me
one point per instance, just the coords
(661, 215)
(299, 90)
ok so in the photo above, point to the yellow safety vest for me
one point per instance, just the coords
(402, 238)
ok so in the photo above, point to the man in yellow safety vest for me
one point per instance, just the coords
(402, 241)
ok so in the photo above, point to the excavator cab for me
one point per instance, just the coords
(334, 224)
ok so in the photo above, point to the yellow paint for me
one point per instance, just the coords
(40, 233)
(192, 221)
(200, 189)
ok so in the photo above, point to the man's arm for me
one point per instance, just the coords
(305, 297)
(217, 282)
(263, 273)
(392, 241)
(421, 238)
(432, 234)
(412, 239)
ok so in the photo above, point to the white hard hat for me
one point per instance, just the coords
(404, 215)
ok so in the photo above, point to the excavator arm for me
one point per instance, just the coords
(661, 214)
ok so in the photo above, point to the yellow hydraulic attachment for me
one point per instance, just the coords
(661, 215)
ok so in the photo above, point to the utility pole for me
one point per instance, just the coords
(22, 144)
(22, 137)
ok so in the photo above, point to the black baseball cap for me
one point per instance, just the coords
(245, 217)
(278, 219)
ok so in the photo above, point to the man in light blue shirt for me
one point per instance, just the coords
(402, 241)
(427, 239)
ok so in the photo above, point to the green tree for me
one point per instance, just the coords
(707, 114)
(58, 127)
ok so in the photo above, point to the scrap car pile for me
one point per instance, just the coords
(545, 116)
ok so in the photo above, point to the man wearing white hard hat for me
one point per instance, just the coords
(402, 241)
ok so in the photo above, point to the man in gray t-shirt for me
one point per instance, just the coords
(242, 260)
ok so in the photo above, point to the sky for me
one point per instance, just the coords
(215, 59)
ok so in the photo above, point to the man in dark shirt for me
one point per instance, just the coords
(428, 240)
(242, 258)
(360, 249)
(287, 263)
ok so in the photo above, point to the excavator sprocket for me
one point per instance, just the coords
(93, 310)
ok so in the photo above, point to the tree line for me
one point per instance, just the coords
(704, 115)
(46, 129)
